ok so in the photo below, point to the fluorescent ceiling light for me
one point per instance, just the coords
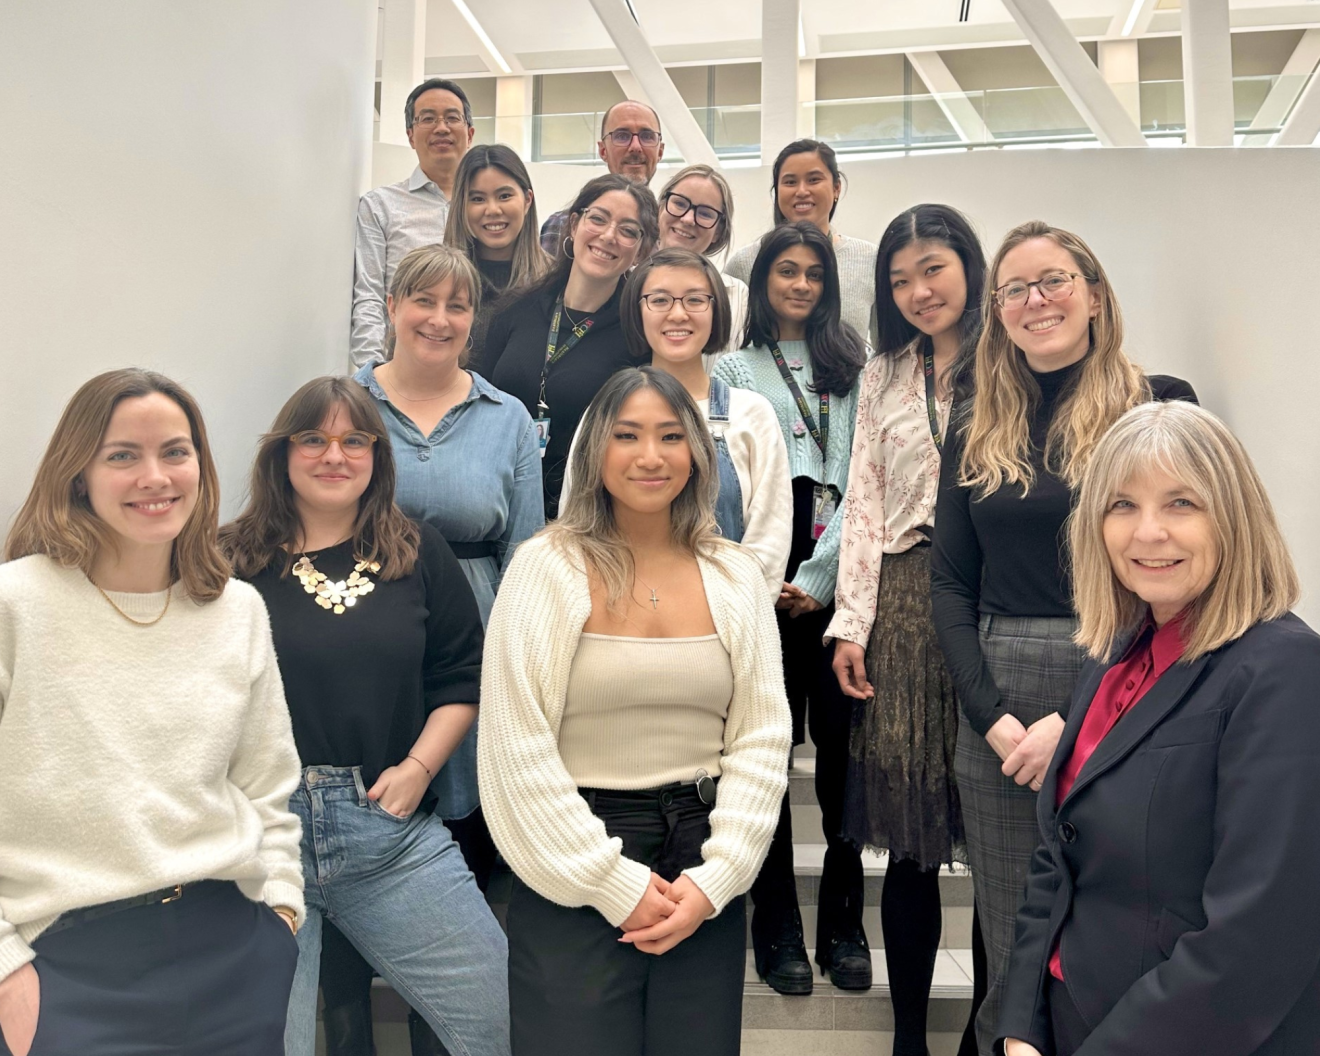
(802, 38)
(471, 20)
(1131, 19)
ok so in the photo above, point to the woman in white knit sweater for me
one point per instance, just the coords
(150, 882)
(633, 748)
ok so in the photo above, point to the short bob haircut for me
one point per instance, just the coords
(724, 229)
(630, 311)
(423, 268)
(1255, 580)
(268, 528)
(586, 517)
(57, 519)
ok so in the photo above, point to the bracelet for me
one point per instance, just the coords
(420, 763)
(289, 915)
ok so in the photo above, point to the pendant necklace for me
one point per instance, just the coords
(654, 598)
(335, 595)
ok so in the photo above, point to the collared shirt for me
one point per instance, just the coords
(391, 222)
(553, 233)
(1153, 653)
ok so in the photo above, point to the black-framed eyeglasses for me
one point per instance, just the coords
(621, 137)
(1052, 287)
(679, 205)
(692, 302)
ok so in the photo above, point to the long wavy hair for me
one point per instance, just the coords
(586, 518)
(269, 527)
(946, 226)
(996, 435)
(631, 309)
(57, 518)
(837, 351)
(724, 229)
(530, 261)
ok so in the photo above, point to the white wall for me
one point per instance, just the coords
(177, 189)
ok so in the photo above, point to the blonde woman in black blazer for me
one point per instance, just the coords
(1171, 907)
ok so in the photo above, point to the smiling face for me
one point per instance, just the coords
(144, 480)
(431, 326)
(794, 286)
(647, 459)
(676, 335)
(1161, 542)
(683, 232)
(806, 190)
(446, 140)
(329, 482)
(929, 286)
(634, 158)
(606, 236)
(495, 210)
(1051, 334)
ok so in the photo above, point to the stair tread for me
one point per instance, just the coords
(953, 976)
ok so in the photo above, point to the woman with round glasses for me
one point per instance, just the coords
(1050, 378)
(696, 214)
(379, 644)
(494, 225)
(556, 343)
(806, 185)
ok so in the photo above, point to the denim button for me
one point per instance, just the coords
(311, 777)
(1067, 832)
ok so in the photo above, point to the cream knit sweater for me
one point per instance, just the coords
(134, 758)
(540, 823)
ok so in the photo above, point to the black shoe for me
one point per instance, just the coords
(781, 956)
(847, 961)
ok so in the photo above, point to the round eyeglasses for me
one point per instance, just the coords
(626, 231)
(1052, 288)
(313, 442)
(679, 205)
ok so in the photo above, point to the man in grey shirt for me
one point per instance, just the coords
(399, 217)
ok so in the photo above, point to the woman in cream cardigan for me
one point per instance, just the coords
(634, 811)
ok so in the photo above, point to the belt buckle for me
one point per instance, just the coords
(178, 894)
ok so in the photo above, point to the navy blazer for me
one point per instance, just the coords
(1182, 872)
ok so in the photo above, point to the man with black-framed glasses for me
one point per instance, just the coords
(631, 145)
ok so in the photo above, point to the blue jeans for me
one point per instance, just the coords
(400, 892)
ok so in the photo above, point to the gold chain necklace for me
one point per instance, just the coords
(169, 593)
(331, 594)
(426, 399)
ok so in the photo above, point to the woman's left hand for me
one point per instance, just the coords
(400, 788)
(797, 601)
(1028, 762)
(693, 908)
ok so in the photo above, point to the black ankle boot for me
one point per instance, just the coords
(780, 954)
(846, 959)
(348, 1029)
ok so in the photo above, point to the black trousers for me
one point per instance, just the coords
(575, 989)
(1066, 1023)
(208, 974)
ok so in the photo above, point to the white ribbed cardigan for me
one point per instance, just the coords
(542, 826)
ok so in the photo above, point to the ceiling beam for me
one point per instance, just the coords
(1207, 59)
(655, 81)
(958, 108)
(1303, 124)
(1132, 18)
(780, 24)
(1075, 73)
(490, 53)
(1291, 81)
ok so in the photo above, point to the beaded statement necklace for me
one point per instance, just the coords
(336, 596)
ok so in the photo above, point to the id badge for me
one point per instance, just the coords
(542, 433)
(823, 503)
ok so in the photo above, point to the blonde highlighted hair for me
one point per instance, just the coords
(724, 229)
(586, 519)
(997, 434)
(57, 519)
(426, 266)
(1255, 579)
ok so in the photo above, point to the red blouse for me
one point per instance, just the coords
(1154, 652)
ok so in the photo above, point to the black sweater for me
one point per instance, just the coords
(360, 685)
(1005, 554)
(516, 352)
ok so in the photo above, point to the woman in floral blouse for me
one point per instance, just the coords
(901, 797)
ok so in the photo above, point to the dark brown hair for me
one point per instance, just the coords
(630, 308)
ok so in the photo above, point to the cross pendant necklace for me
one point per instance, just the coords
(655, 598)
(655, 602)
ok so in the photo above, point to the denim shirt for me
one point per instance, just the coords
(476, 478)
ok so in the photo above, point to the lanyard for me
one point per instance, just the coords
(932, 407)
(821, 433)
(554, 351)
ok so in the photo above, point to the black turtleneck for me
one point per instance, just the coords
(1005, 554)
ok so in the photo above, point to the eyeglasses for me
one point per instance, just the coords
(313, 443)
(692, 302)
(1052, 288)
(621, 137)
(706, 216)
(627, 232)
(428, 119)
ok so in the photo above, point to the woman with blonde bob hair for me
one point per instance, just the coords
(633, 746)
(150, 880)
(1050, 377)
(1170, 907)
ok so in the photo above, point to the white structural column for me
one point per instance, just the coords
(1292, 79)
(679, 125)
(960, 110)
(513, 113)
(1207, 56)
(806, 99)
(1120, 66)
(1076, 73)
(1303, 124)
(779, 75)
(402, 64)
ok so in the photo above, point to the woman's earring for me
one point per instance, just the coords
(568, 241)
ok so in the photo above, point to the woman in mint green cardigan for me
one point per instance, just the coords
(799, 355)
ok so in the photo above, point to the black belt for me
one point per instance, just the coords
(468, 551)
(105, 909)
(664, 796)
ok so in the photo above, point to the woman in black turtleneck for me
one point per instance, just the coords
(1051, 377)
